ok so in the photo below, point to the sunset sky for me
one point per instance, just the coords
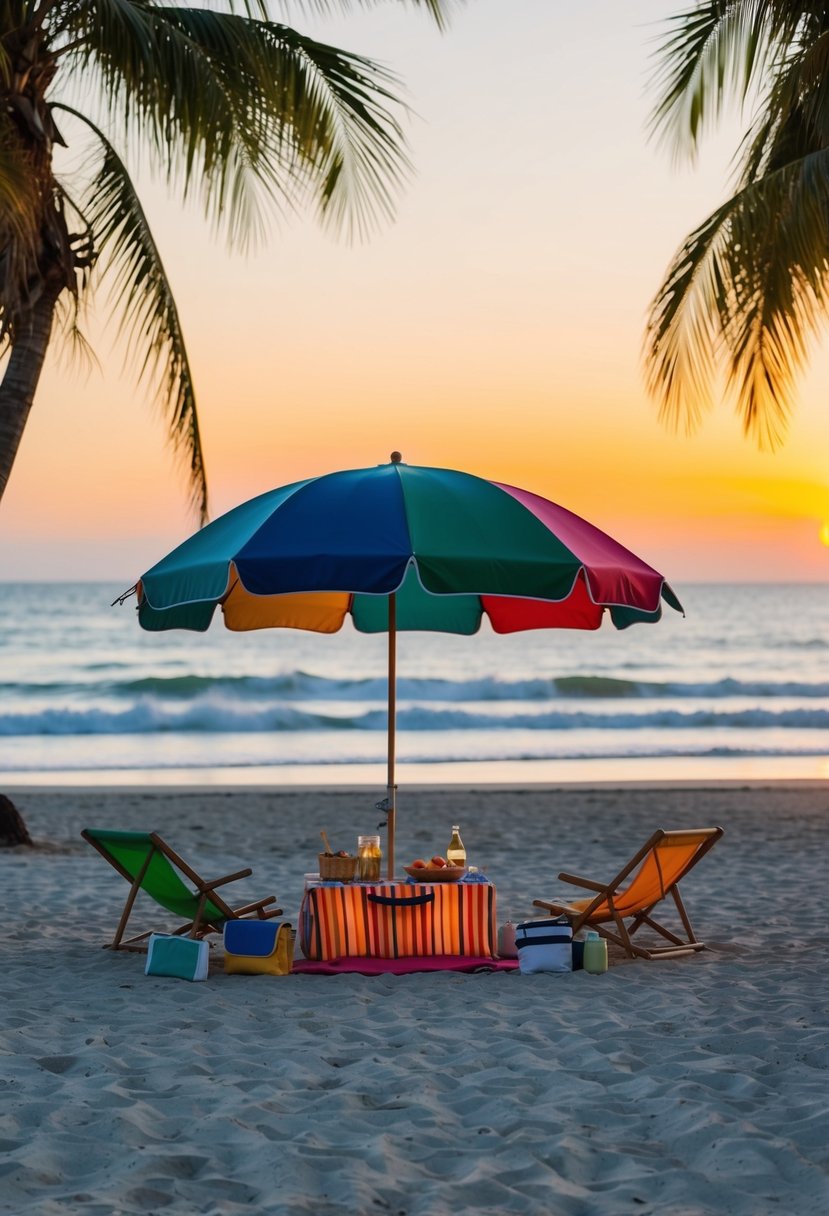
(496, 325)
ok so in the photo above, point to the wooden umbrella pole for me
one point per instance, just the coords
(390, 785)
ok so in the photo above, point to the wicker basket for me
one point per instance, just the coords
(337, 869)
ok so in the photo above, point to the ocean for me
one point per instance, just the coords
(737, 689)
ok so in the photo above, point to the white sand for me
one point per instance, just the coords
(684, 1087)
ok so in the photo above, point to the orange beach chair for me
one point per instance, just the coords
(618, 909)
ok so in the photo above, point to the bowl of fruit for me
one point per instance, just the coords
(437, 869)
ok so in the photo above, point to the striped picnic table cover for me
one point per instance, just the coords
(397, 920)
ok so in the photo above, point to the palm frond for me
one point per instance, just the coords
(143, 298)
(77, 351)
(803, 81)
(438, 10)
(745, 294)
(682, 334)
(711, 53)
(793, 118)
(234, 106)
(344, 146)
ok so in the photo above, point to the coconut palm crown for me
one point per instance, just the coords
(230, 107)
(747, 289)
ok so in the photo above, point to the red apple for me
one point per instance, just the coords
(419, 864)
(439, 862)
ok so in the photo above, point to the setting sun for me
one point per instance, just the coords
(824, 532)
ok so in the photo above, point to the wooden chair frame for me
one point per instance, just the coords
(198, 927)
(602, 911)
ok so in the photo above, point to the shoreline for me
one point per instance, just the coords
(629, 771)
(373, 790)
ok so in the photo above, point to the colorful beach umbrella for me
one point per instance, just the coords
(400, 547)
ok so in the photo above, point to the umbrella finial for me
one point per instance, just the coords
(396, 458)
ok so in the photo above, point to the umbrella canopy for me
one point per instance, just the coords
(450, 545)
(400, 547)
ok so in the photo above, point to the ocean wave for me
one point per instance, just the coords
(305, 686)
(152, 717)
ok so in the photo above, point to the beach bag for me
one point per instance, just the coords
(544, 945)
(182, 958)
(258, 947)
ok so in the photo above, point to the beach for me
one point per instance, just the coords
(689, 1086)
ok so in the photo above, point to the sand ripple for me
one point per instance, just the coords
(682, 1088)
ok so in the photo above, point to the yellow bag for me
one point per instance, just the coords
(258, 947)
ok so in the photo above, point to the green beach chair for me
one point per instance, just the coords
(150, 865)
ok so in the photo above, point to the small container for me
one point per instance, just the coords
(506, 941)
(595, 954)
(456, 852)
(369, 857)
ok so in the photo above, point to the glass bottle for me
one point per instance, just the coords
(595, 954)
(368, 858)
(456, 853)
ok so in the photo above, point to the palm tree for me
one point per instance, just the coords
(230, 106)
(747, 289)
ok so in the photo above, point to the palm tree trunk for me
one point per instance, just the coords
(25, 364)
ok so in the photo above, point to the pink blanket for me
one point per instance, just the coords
(403, 966)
